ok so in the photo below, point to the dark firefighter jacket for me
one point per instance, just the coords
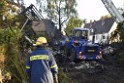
(41, 66)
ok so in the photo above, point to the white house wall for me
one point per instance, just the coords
(99, 38)
(113, 27)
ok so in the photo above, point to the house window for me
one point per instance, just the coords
(103, 37)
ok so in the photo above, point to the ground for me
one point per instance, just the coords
(111, 73)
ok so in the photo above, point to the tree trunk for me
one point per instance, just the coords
(60, 27)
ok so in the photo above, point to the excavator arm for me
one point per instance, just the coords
(31, 13)
(109, 5)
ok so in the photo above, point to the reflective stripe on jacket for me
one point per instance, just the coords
(40, 66)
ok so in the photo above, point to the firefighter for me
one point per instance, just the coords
(41, 66)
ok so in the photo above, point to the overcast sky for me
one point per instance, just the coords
(94, 9)
(89, 9)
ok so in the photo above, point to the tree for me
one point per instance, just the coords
(17, 2)
(118, 33)
(4, 7)
(59, 11)
(8, 14)
(72, 23)
(9, 38)
(105, 17)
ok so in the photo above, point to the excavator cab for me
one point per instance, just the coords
(81, 33)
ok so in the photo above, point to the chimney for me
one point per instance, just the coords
(103, 20)
(91, 25)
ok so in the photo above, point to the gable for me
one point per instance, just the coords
(101, 26)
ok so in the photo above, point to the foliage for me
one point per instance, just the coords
(60, 11)
(9, 15)
(105, 17)
(3, 8)
(13, 60)
(14, 63)
(72, 23)
(118, 33)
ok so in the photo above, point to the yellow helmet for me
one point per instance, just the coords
(41, 40)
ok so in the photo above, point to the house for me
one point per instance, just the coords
(103, 29)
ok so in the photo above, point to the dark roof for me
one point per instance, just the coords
(101, 26)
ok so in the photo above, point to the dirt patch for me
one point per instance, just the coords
(112, 73)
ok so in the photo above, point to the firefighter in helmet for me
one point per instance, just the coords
(41, 66)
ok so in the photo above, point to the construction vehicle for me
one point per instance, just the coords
(80, 48)
(31, 13)
(28, 34)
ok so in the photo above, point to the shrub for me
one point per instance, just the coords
(13, 63)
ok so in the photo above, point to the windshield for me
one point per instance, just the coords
(81, 34)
